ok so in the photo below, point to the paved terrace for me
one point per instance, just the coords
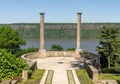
(60, 65)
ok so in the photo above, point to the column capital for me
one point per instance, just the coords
(42, 13)
(79, 13)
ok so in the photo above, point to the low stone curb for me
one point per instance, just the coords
(70, 77)
(49, 77)
(44, 77)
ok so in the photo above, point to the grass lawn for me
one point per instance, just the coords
(109, 76)
(36, 77)
(83, 77)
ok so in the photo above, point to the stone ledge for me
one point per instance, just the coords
(6, 82)
(92, 71)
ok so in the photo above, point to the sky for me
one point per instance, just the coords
(59, 11)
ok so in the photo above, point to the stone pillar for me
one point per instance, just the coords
(42, 50)
(78, 48)
(42, 30)
(25, 74)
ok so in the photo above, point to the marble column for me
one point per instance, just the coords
(42, 50)
(78, 47)
(42, 30)
(78, 30)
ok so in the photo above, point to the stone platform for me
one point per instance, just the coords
(60, 65)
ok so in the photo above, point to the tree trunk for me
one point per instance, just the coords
(108, 61)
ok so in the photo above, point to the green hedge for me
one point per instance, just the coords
(110, 70)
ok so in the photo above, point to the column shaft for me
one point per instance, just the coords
(42, 30)
(78, 30)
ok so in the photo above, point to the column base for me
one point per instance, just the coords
(42, 53)
(77, 53)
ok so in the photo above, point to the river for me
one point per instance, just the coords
(86, 44)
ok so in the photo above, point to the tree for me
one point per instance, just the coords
(10, 39)
(10, 65)
(70, 49)
(24, 51)
(56, 48)
(109, 48)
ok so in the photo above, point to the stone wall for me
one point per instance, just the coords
(92, 71)
(93, 59)
(31, 57)
(25, 74)
(35, 55)
(60, 53)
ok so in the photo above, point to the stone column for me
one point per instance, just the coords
(42, 30)
(42, 50)
(78, 48)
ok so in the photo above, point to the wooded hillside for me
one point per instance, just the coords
(60, 30)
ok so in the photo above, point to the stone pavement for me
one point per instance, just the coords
(60, 77)
(60, 65)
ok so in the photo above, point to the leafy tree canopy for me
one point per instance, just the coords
(109, 48)
(70, 49)
(56, 48)
(10, 65)
(10, 39)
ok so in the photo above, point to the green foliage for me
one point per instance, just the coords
(83, 77)
(90, 33)
(60, 33)
(109, 48)
(56, 31)
(70, 49)
(56, 48)
(10, 39)
(10, 65)
(110, 77)
(30, 72)
(60, 30)
(24, 51)
(110, 70)
(36, 77)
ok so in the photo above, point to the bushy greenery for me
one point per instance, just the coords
(10, 39)
(10, 65)
(83, 77)
(109, 48)
(70, 49)
(110, 77)
(24, 51)
(111, 70)
(56, 48)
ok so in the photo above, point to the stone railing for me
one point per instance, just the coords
(60, 53)
(93, 59)
(92, 71)
(31, 60)
(30, 57)
(25, 73)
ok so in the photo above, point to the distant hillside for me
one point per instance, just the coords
(60, 30)
(64, 25)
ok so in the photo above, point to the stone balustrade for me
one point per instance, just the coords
(35, 55)
(60, 53)
(92, 71)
